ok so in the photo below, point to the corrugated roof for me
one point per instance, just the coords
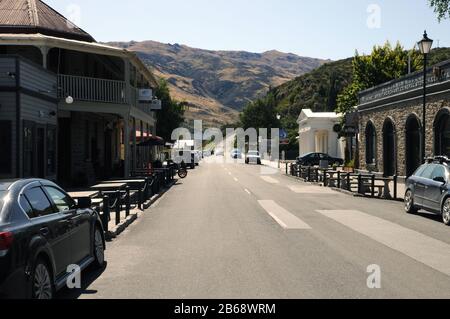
(34, 16)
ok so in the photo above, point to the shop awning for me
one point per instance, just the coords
(152, 141)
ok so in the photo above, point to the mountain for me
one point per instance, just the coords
(218, 84)
(317, 90)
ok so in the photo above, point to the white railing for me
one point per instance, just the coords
(91, 89)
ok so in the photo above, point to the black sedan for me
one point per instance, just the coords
(42, 232)
(429, 189)
(314, 159)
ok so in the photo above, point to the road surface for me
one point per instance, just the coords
(229, 232)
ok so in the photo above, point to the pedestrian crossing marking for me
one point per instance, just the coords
(270, 180)
(422, 248)
(311, 190)
(284, 218)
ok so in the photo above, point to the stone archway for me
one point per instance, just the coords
(442, 133)
(389, 148)
(412, 144)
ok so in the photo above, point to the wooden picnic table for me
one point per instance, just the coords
(84, 194)
(110, 186)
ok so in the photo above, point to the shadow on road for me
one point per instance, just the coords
(431, 216)
(88, 276)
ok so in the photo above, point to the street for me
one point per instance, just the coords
(229, 232)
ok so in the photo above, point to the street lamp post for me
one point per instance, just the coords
(425, 47)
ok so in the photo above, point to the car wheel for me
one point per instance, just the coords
(41, 281)
(446, 212)
(409, 203)
(99, 248)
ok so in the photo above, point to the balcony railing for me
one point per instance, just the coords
(92, 89)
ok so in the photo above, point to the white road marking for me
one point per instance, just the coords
(229, 173)
(247, 191)
(311, 190)
(424, 249)
(236, 180)
(284, 218)
(270, 180)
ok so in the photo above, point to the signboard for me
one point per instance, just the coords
(284, 137)
(156, 105)
(145, 95)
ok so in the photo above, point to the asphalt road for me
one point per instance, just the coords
(229, 232)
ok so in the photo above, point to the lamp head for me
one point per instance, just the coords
(425, 44)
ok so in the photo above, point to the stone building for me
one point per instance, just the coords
(390, 122)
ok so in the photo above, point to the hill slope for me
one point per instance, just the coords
(218, 84)
(319, 89)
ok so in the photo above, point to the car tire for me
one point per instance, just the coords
(409, 203)
(99, 248)
(41, 281)
(446, 212)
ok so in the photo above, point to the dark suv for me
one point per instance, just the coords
(428, 189)
(314, 159)
(42, 232)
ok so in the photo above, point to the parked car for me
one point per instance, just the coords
(219, 152)
(43, 231)
(197, 157)
(236, 154)
(253, 157)
(428, 188)
(313, 159)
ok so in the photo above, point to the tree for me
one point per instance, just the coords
(172, 113)
(261, 113)
(441, 7)
(384, 64)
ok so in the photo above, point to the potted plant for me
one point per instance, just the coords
(349, 167)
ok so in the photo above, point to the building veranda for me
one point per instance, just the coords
(72, 110)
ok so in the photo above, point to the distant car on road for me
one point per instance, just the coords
(206, 154)
(43, 231)
(428, 188)
(236, 154)
(313, 159)
(219, 152)
(253, 157)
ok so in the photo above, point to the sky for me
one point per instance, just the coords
(329, 29)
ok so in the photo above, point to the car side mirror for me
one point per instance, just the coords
(440, 179)
(84, 203)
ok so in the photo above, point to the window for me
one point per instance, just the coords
(39, 202)
(2, 195)
(87, 141)
(419, 171)
(439, 171)
(26, 206)
(28, 143)
(51, 150)
(6, 143)
(61, 200)
(427, 173)
(370, 144)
